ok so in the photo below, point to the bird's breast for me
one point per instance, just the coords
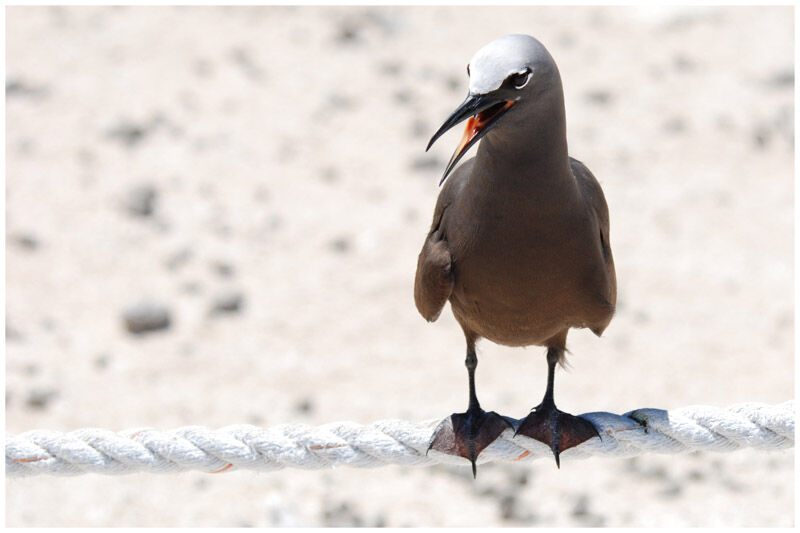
(522, 275)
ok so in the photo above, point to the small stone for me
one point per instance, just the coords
(341, 245)
(40, 398)
(242, 58)
(508, 506)
(674, 125)
(403, 96)
(18, 87)
(454, 83)
(671, 490)
(684, 63)
(101, 361)
(140, 200)
(419, 128)
(341, 515)
(581, 511)
(178, 259)
(191, 287)
(223, 269)
(426, 162)
(761, 137)
(145, 317)
(227, 302)
(13, 334)
(391, 68)
(581, 507)
(25, 241)
(599, 97)
(340, 101)
(128, 133)
(695, 475)
(782, 79)
(330, 175)
(304, 406)
(347, 32)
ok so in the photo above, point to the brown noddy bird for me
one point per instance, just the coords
(519, 242)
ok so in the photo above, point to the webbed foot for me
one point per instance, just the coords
(557, 429)
(467, 434)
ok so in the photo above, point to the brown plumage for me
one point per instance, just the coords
(519, 243)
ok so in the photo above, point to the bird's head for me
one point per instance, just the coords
(504, 76)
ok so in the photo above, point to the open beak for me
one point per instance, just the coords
(483, 111)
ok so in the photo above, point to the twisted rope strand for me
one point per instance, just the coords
(100, 451)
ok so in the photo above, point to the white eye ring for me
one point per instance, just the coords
(528, 73)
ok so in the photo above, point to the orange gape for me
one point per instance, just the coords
(475, 125)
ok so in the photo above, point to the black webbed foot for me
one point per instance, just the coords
(555, 428)
(467, 434)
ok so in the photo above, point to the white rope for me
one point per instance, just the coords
(100, 451)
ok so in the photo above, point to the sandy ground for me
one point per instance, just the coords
(274, 158)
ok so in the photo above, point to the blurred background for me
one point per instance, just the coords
(213, 217)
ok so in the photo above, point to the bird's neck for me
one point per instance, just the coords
(530, 149)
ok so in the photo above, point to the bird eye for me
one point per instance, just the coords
(521, 79)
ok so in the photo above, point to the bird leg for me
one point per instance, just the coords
(467, 434)
(555, 428)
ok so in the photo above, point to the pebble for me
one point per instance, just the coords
(13, 334)
(420, 128)
(304, 406)
(191, 287)
(227, 302)
(684, 63)
(341, 515)
(128, 133)
(101, 361)
(426, 162)
(18, 87)
(178, 258)
(403, 96)
(508, 506)
(26, 241)
(582, 512)
(144, 317)
(599, 97)
(244, 60)
(40, 398)
(391, 68)
(347, 32)
(782, 79)
(223, 269)
(340, 245)
(140, 200)
(330, 175)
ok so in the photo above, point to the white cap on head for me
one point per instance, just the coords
(507, 55)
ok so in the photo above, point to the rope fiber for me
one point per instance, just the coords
(99, 451)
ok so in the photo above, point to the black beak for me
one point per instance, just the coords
(474, 106)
